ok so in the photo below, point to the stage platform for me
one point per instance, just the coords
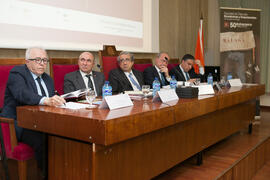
(240, 156)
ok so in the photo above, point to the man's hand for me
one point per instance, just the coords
(192, 80)
(54, 101)
(165, 70)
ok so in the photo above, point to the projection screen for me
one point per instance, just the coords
(80, 25)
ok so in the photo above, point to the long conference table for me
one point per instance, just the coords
(138, 142)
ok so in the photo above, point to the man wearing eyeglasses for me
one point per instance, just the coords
(85, 77)
(125, 78)
(30, 85)
(159, 70)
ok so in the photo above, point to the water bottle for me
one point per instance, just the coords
(210, 79)
(106, 89)
(173, 83)
(229, 76)
(156, 86)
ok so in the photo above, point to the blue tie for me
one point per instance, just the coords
(187, 76)
(133, 81)
(162, 78)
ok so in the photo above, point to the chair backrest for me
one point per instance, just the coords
(5, 66)
(108, 59)
(59, 67)
(173, 62)
(142, 64)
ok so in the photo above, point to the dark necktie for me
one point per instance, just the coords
(162, 78)
(187, 76)
(133, 81)
(90, 83)
(40, 86)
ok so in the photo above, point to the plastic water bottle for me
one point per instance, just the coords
(173, 83)
(106, 89)
(156, 86)
(229, 76)
(210, 79)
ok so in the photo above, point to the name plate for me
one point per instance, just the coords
(188, 83)
(205, 89)
(165, 96)
(116, 101)
(235, 82)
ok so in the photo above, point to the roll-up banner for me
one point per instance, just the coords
(240, 43)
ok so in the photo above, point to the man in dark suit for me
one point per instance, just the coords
(85, 77)
(29, 85)
(185, 71)
(125, 78)
(159, 70)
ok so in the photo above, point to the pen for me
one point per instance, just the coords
(59, 95)
(56, 93)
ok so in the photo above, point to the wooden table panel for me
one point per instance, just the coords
(145, 156)
(69, 159)
(141, 141)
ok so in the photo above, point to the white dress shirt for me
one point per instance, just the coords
(85, 79)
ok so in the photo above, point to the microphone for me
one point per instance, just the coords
(98, 65)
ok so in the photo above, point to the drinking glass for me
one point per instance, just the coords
(145, 90)
(222, 81)
(197, 82)
(90, 95)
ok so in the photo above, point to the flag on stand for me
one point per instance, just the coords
(199, 51)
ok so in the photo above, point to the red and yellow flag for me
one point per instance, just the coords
(199, 51)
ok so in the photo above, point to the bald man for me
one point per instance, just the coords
(85, 77)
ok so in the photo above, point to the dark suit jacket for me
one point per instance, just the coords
(21, 90)
(179, 76)
(74, 81)
(149, 75)
(119, 81)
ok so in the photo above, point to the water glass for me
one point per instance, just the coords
(197, 81)
(90, 95)
(145, 90)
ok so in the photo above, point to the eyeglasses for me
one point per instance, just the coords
(125, 60)
(39, 60)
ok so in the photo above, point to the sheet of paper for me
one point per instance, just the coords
(116, 101)
(134, 92)
(74, 105)
(166, 87)
(96, 101)
(250, 84)
(180, 83)
(166, 95)
(235, 82)
(205, 89)
(188, 83)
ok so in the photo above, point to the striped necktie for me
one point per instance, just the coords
(162, 78)
(90, 83)
(133, 81)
